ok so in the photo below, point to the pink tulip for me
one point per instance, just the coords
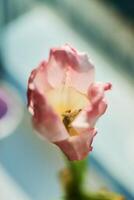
(65, 102)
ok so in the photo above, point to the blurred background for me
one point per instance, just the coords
(28, 29)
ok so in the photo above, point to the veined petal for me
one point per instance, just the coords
(69, 67)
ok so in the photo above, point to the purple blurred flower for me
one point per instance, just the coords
(3, 108)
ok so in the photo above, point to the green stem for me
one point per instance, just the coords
(73, 180)
(77, 171)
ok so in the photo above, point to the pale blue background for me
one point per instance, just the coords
(33, 164)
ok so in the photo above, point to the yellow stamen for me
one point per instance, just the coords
(68, 118)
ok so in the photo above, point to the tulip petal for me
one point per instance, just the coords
(45, 120)
(38, 81)
(98, 102)
(67, 66)
(88, 117)
(77, 147)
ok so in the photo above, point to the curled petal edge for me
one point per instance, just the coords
(96, 94)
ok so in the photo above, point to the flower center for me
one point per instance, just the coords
(67, 103)
(68, 118)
